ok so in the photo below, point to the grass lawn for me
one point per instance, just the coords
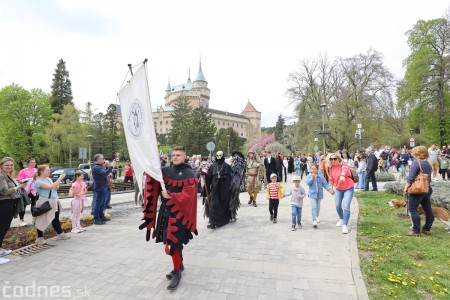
(396, 266)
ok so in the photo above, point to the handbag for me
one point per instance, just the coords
(41, 209)
(420, 184)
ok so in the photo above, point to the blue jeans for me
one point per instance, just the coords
(296, 215)
(108, 198)
(94, 200)
(346, 197)
(413, 203)
(403, 167)
(102, 193)
(315, 208)
(362, 180)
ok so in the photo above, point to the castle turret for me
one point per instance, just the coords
(255, 120)
(168, 88)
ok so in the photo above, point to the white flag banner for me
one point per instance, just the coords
(140, 133)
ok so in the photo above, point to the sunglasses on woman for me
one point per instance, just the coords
(333, 158)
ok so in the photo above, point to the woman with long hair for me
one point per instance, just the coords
(342, 187)
(9, 196)
(46, 189)
(26, 176)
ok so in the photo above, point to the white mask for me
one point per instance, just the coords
(219, 154)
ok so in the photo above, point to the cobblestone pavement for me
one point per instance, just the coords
(249, 259)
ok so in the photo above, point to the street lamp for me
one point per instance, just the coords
(89, 137)
(228, 138)
(322, 110)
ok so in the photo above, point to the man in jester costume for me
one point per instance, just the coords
(177, 217)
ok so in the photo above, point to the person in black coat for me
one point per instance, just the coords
(371, 168)
(270, 165)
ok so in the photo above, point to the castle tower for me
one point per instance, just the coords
(201, 86)
(254, 129)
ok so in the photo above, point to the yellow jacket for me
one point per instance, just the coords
(281, 190)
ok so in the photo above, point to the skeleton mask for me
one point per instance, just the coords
(219, 154)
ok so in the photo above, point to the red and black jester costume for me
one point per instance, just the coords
(177, 217)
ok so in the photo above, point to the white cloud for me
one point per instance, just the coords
(248, 48)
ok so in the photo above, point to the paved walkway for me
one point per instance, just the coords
(250, 259)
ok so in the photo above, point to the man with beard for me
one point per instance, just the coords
(254, 174)
(177, 217)
(218, 184)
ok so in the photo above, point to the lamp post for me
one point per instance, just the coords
(228, 138)
(322, 110)
(89, 137)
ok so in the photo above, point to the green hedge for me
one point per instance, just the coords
(381, 176)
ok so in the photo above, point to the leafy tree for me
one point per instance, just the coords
(23, 120)
(424, 91)
(161, 138)
(355, 90)
(260, 143)
(99, 140)
(111, 131)
(61, 88)
(65, 135)
(279, 128)
(235, 141)
(199, 131)
(180, 115)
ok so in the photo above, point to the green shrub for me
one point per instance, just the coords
(381, 176)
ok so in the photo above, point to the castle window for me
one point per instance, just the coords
(242, 125)
(232, 124)
(160, 122)
(223, 123)
(167, 122)
(228, 124)
(242, 134)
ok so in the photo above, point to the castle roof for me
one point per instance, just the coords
(249, 107)
(200, 76)
(182, 87)
(226, 113)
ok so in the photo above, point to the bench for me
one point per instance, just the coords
(123, 186)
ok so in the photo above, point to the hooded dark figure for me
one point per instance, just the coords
(238, 168)
(218, 184)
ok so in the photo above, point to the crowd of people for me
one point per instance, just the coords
(32, 186)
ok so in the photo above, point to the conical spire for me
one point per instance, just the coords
(168, 88)
(200, 76)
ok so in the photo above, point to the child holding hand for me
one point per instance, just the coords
(297, 194)
(316, 183)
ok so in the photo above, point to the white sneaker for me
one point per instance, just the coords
(340, 223)
(40, 241)
(76, 230)
(4, 252)
(317, 220)
(62, 236)
(23, 223)
(315, 224)
(344, 229)
(3, 260)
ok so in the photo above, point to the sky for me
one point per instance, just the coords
(247, 47)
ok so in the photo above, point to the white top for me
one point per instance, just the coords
(432, 155)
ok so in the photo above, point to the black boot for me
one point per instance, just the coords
(176, 278)
(169, 276)
(254, 203)
(250, 201)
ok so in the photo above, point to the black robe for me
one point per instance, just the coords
(219, 193)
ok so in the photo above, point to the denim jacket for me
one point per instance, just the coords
(100, 175)
(316, 186)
